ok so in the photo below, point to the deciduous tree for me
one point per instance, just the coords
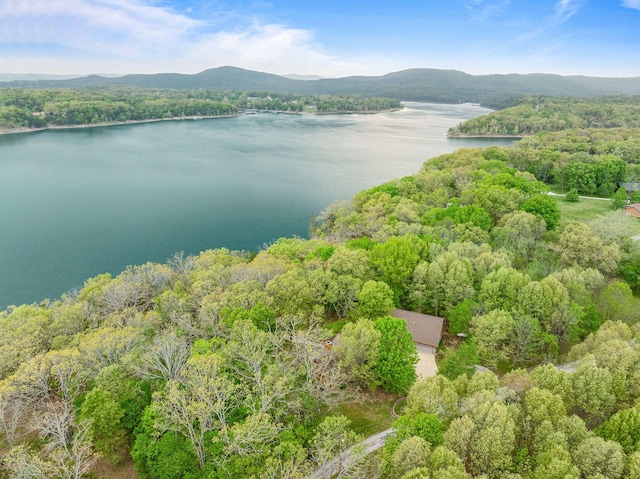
(375, 300)
(599, 457)
(435, 395)
(623, 428)
(580, 247)
(103, 414)
(358, 351)
(332, 438)
(397, 357)
(545, 207)
(493, 337)
(484, 439)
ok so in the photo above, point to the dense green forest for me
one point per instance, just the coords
(215, 365)
(420, 84)
(535, 114)
(36, 108)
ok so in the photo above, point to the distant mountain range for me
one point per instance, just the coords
(446, 86)
(10, 77)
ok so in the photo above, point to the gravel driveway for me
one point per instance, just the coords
(426, 366)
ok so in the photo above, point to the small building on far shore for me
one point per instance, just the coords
(425, 329)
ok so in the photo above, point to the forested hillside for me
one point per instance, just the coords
(420, 84)
(535, 114)
(215, 365)
(32, 108)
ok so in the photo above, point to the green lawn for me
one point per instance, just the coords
(584, 210)
(369, 416)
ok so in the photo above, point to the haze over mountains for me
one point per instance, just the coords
(10, 77)
(420, 84)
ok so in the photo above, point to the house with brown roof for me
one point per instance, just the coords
(633, 209)
(425, 329)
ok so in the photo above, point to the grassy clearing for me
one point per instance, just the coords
(586, 210)
(582, 211)
(637, 227)
(371, 415)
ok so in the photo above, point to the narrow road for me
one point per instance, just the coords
(550, 193)
(371, 444)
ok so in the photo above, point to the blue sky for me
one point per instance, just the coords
(325, 37)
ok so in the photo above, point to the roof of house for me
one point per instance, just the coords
(632, 206)
(424, 328)
(629, 186)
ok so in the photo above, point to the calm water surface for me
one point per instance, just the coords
(77, 203)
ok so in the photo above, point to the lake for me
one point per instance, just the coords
(80, 202)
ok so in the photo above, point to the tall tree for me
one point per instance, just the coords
(623, 428)
(358, 351)
(395, 261)
(484, 439)
(545, 207)
(332, 439)
(375, 300)
(580, 247)
(599, 458)
(397, 355)
(493, 335)
(619, 199)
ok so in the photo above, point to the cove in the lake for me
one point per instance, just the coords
(77, 203)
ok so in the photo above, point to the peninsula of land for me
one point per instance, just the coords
(24, 110)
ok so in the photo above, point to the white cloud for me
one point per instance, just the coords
(87, 35)
(550, 25)
(631, 4)
(68, 21)
(565, 9)
(267, 47)
(484, 9)
(124, 36)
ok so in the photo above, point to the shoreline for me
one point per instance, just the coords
(366, 112)
(12, 131)
(487, 136)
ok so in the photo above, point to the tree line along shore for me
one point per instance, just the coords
(24, 109)
(533, 114)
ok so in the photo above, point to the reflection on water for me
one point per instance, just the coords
(76, 203)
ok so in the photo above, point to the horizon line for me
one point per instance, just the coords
(71, 76)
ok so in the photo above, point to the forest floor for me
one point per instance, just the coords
(370, 415)
(104, 469)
